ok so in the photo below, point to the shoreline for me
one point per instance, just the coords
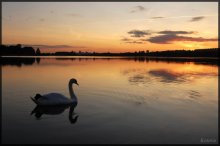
(29, 60)
(105, 56)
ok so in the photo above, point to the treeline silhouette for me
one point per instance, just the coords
(18, 50)
(212, 52)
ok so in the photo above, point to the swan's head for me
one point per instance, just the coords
(74, 81)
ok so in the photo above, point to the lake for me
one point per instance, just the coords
(120, 100)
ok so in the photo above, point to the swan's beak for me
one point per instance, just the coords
(77, 84)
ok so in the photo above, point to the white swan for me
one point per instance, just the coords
(56, 98)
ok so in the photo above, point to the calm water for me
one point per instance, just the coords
(120, 100)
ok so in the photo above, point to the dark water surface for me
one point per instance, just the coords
(120, 100)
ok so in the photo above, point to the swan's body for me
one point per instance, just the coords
(53, 99)
(56, 98)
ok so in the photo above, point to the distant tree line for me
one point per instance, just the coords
(18, 50)
(212, 52)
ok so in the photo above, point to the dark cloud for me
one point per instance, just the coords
(131, 41)
(169, 32)
(139, 33)
(157, 17)
(126, 39)
(135, 42)
(53, 46)
(141, 8)
(197, 18)
(164, 37)
(29, 18)
(161, 39)
(73, 15)
(42, 19)
(168, 38)
(138, 9)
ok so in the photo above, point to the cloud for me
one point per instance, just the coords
(139, 33)
(131, 41)
(197, 18)
(164, 37)
(28, 18)
(52, 46)
(168, 38)
(138, 9)
(157, 17)
(135, 42)
(42, 19)
(169, 32)
(126, 39)
(193, 18)
(72, 14)
(141, 8)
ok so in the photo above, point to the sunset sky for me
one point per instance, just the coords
(110, 26)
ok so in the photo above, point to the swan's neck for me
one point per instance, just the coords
(72, 95)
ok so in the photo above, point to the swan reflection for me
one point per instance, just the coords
(39, 111)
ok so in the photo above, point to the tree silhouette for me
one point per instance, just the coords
(38, 51)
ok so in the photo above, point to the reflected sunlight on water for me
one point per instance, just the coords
(121, 100)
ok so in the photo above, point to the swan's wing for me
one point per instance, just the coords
(53, 99)
(52, 96)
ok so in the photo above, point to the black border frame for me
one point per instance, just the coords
(102, 1)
